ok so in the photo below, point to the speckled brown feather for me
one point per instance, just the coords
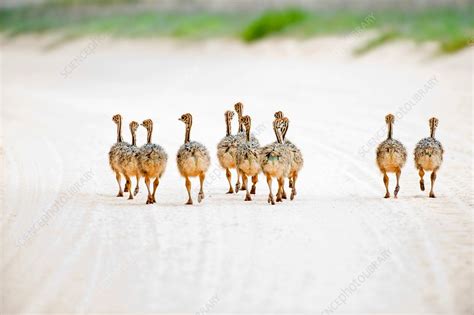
(429, 152)
(192, 158)
(119, 148)
(297, 161)
(241, 135)
(248, 159)
(128, 160)
(391, 153)
(152, 157)
(275, 158)
(227, 147)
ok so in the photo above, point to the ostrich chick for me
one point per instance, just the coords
(116, 151)
(248, 161)
(391, 157)
(227, 150)
(152, 160)
(275, 161)
(242, 138)
(193, 159)
(429, 156)
(129, 161)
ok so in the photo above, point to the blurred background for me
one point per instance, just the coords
(446, 22)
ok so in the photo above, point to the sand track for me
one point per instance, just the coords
(102, 254)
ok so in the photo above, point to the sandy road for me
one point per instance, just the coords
(70, 246)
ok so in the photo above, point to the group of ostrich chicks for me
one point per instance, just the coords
(242, 152)
(392, 155)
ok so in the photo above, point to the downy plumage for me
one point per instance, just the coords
(391, 157)
(429, 156)
(152, 160)
(227, 150)
(116, 151)
(193, 159)
(275, 161)
(248, 159)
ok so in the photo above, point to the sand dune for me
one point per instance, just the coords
(69, 245)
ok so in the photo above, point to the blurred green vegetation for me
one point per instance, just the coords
(379, 40)
(90, 2)
(452, 28)
(272, 22)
